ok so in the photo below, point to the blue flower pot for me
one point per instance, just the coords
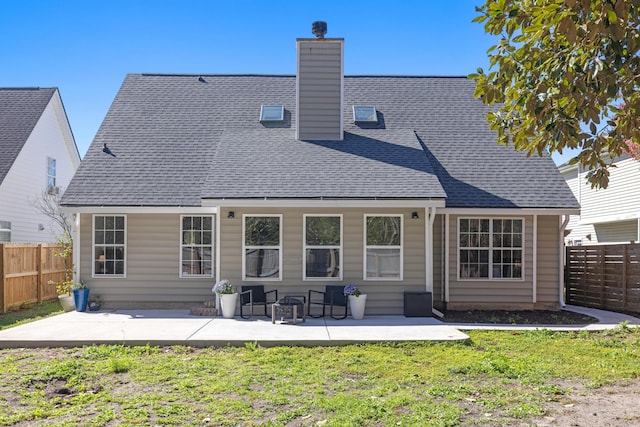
(81, 298)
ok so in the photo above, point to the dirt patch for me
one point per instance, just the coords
(523, 317)
(610, 406)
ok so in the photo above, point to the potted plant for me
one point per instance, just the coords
(228, 298)
(357, 301)
(64, 294)
(80, 295)
(63, 288)
(95, 301)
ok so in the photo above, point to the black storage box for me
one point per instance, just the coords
(417, 304)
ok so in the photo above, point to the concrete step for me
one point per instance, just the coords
(208, 308)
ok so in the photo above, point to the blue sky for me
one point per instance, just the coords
(86, 48)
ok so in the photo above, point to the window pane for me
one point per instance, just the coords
(323, 262)
(323, 231)
(262, 262)
(99, 222)
(383, 231)
(120, 237)
(109, 223)
(207, 223)
(464, 225)
(517, 226)
(262, 231)
(383, 263)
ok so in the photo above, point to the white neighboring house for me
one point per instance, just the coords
(610, 215)
(37, 153)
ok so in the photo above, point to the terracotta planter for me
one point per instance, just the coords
(228, 305)
(357, 305)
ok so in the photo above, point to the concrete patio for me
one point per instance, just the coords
(178, 327)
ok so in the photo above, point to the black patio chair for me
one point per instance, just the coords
(253, 295)
(334, 297)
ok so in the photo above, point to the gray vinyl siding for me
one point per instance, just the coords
(384, 297)
(153, 260)
(319, 80)
(438, 260)
(548, 271)
(152, 264)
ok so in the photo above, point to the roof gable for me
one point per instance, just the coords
(20, 110)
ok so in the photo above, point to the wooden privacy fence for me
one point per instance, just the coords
(25, 272)
(605, 277)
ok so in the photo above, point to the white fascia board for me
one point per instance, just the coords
(141, 209)
(327, 203)
(609, 218)
(508, 211)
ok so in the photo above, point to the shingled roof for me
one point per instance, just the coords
(180, 138)
(20, 110)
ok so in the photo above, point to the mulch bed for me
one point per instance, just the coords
(524, 317)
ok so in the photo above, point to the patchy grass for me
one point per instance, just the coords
(29, 314)
(495, 379)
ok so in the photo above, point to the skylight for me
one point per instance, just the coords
(364, 114)
(272, 113)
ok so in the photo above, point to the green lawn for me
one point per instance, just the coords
(29, 314)
(497, 378)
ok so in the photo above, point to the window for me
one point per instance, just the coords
(5, 231)
(262, 247)
(365, 114)
(51, 172)
(490, 248)
(383, 247)
(271, 113)
(323, 246)
(196, 246)
(109, 245)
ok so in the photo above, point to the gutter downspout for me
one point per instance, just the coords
(428, 242)
(75, 247)
(446, 258)
(561, 262)
(534, 277)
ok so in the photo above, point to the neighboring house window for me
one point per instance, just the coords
(51, 172)
(262, 247)
(323, 246)
(490, 248)
(109, 245)
(196, 247)
(5, 231)
(383, 247)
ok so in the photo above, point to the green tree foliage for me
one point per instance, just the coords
(566, 74)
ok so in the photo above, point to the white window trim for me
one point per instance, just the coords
(245, 247)
(93, 249)
(305, 247)
(490, 249)
(213, 253)
(365, 247)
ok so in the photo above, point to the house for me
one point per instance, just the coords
(296, 182)
(607, 216)
(38, 154)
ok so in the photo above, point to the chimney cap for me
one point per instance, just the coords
(319, 29)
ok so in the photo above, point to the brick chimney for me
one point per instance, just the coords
(319, 86)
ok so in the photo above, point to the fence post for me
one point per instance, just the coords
(39, 278)
(3, 281)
